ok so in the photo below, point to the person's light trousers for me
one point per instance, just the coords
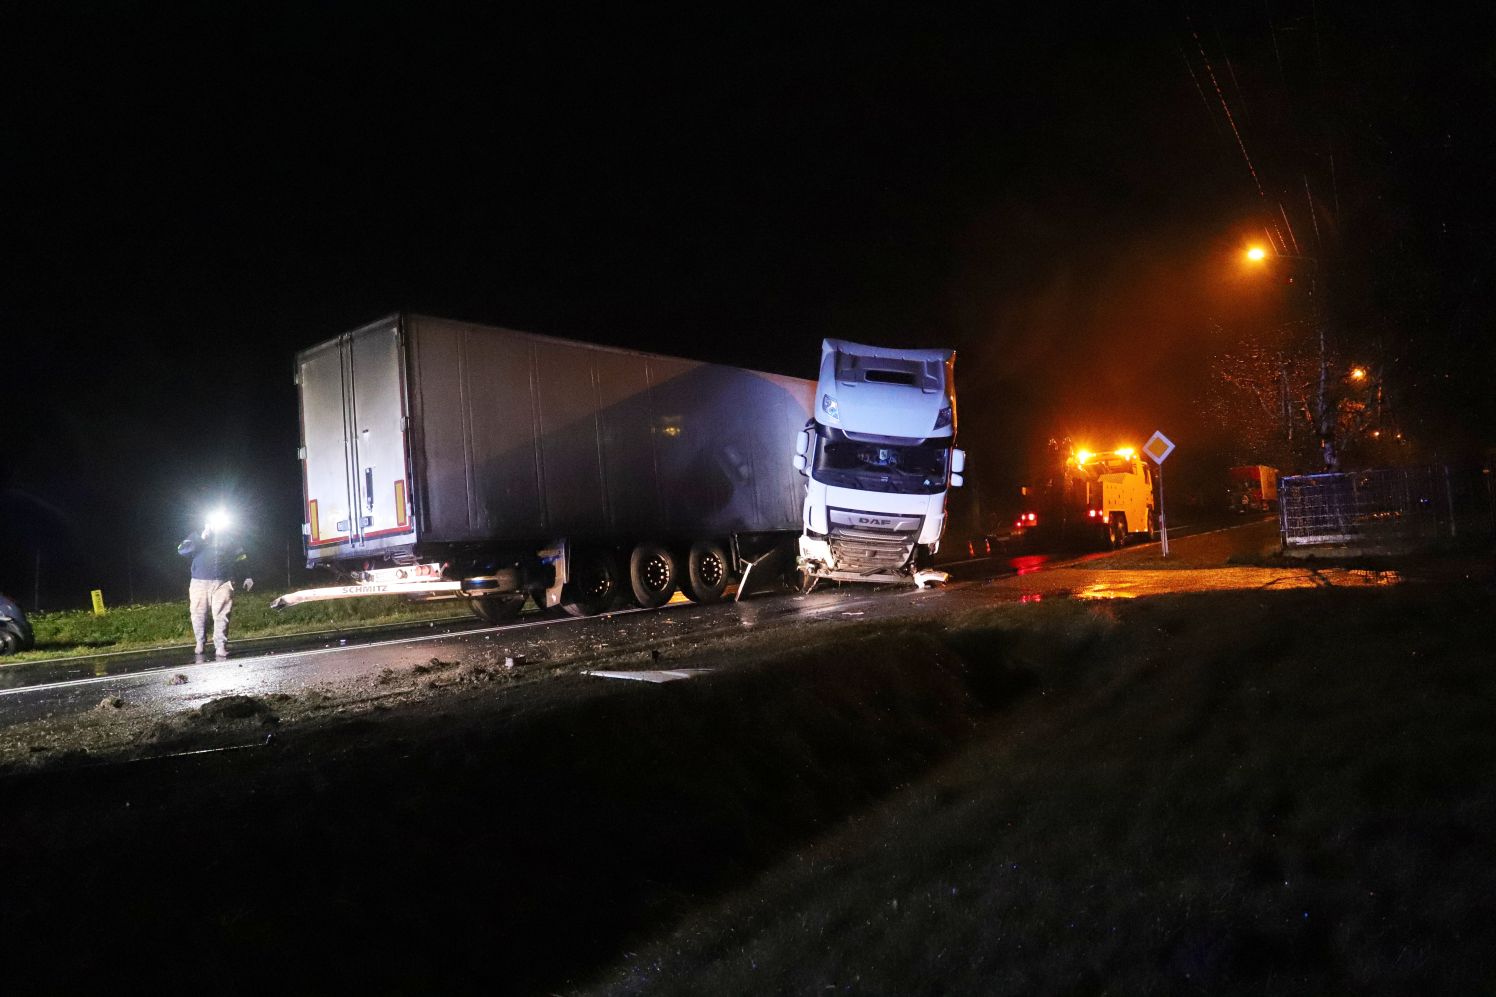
(205, 596)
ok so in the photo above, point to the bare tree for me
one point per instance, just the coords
(1287, 398)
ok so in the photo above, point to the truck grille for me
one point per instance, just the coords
(864, 550)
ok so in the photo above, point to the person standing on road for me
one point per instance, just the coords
(217, 559)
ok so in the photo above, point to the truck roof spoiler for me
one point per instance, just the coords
(928, 370)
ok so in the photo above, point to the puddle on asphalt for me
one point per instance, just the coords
(1104, 590)
(1370, 576)
(1029, 563)
(1110, 585)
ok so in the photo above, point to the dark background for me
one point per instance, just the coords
(196, 193)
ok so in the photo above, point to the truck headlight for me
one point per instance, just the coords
(943, 418)
(829, 406)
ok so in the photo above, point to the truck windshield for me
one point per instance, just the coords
(911, 469)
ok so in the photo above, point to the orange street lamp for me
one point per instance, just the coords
(1256, 254)
(1358, 373)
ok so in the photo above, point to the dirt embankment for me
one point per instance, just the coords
(488, 837)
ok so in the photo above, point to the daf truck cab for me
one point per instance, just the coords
(879, 456)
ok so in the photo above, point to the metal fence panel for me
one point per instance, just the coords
(1398, 506)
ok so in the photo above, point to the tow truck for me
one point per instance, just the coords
(1093, 499)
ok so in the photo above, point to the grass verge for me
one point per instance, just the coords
(1243, 793)
(139, 628)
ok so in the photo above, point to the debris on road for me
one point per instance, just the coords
(237, 708)
(177, 679)
(434, 665)
(110, 703)
(655, 676)
(926, 577)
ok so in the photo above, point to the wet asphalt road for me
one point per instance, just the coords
(288, 665)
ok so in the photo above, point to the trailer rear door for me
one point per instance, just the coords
(353, 432)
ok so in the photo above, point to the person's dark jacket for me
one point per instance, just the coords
(218, 558)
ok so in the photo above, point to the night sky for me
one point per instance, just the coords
(196, 193)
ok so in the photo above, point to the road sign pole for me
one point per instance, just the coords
(1163, 517)
(1159, 447)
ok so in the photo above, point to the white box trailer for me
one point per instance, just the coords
(443, 459)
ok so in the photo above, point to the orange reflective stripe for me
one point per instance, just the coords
(400, 518)
(311, 508)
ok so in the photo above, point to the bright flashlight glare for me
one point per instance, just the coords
(1125, 452)
(1358, 373)
(1081, 456)
(1256, 254)
(219, 520)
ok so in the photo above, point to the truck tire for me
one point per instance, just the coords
(10, 643)
(1152, 525)
(595, 585)
(495, 609)
(1118, 537)
(653, 574)
(707, 571)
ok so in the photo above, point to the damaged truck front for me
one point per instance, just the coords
(445, 460)
(879, 457)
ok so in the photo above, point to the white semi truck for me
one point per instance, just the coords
(879, 457)
(446, 460)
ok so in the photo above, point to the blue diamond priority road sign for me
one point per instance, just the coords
(1158, 447)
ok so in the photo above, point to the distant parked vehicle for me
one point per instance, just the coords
(1254, 488)
(15, 630)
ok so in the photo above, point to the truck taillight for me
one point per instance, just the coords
(1033, 517)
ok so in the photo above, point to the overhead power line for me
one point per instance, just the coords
(1226, 108)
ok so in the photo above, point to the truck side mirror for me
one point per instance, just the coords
(957, 480)
(800, 463)
(958, 460)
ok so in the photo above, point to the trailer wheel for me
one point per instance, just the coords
(496, 609)
(10, 642)
(595, 584)
(652, 574)
(707, 570)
